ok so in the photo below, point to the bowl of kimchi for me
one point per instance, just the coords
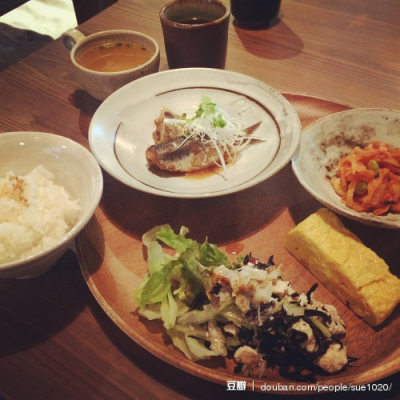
(350, 162)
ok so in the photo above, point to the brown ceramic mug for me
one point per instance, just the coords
(195, 33)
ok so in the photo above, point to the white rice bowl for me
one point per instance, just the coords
(35, 213)
(50, 187)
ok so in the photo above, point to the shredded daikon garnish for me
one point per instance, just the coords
(214, 127)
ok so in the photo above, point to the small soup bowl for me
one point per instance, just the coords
(100, 84)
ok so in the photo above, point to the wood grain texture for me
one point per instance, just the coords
(256, 220)
(57, 342)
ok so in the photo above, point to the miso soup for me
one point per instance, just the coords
(114, 56)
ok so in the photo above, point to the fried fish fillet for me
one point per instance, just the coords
(183, 154)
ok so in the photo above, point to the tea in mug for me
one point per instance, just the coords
(114, 56)
(194, 20)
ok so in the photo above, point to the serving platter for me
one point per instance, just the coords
(121, 130)
(113, 261)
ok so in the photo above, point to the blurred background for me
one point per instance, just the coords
(25, 26)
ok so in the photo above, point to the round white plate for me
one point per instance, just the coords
(121, 130)
(327, 140)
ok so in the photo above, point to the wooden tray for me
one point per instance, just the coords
(257, 220)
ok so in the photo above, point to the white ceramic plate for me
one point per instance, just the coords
(122, 127)
(325, 141)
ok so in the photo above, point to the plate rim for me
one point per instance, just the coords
(295, 139)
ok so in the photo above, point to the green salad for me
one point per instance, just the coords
(212, 307)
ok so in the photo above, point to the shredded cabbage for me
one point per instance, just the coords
(212, 307)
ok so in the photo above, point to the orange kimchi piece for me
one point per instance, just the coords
(368, 179)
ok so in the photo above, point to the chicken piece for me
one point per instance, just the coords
(311, 343)
(336, 327)
(334, 359)
(254, 366)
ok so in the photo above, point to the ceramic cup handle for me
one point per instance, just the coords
(71, 37)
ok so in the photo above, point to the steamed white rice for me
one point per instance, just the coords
(34, 213)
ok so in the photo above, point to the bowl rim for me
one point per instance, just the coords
(111, 33)
(73, 232)
(362, 217)
(177, 3)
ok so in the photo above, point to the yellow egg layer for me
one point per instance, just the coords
(341, 262)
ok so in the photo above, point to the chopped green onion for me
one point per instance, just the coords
(361, 188)
(374, 167)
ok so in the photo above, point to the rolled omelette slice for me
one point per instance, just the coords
(345, 266)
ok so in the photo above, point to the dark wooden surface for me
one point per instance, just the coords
(9, 5)
(56, 341)
(86, 9)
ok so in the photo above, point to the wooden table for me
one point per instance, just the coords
(56, 341)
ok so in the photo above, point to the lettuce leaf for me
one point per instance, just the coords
(169, 311)
(155, 287)
(211, 255)
(178, 242)
(174, 282)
